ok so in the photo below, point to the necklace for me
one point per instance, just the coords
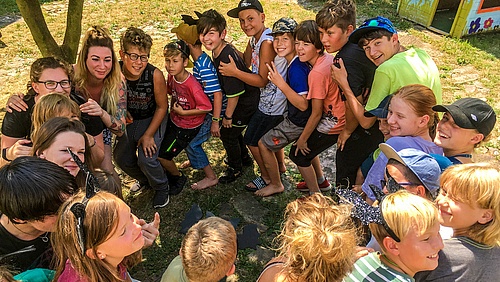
(44, 237)
(388, 260)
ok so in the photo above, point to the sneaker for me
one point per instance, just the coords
(138, 187)
(176, 183)
(325, 186)
(247, 161)
(229, 175)
(161, 199)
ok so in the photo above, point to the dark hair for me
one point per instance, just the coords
(211, 19)
(337, 12)
(108, 182)
(32, 188)
(409, 175)
(42, 64)
(136, 37)
(376, 34)
(308, 31)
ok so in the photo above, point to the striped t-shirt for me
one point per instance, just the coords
(204, 71)
(370, 268)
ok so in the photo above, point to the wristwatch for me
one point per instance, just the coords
(4, 154)
(228, 118)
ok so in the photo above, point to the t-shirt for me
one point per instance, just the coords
(399, 143)
(321, 86)
(463, 259)
(272, 100)
(204, 71)
(36, 275)
(69, 274)
(414, 66)
(175, 272)
(248, 96)
(18, 124)
(189, 95)
(141, 103)
(36, 253)
(297, 79)
(371, 268)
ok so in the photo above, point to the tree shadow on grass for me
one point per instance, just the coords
(9, 7)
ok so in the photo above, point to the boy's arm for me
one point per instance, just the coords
(351, 122)
(339, 76)
(192, 112)
(216, 114)
(232, 102)
(266, 56)
(299, 101)
(312, 122)
(247, 55)
(160, 91)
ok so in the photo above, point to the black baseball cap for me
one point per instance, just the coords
(382, 110)
(244, 5)
(471, 113)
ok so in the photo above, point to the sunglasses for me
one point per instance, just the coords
(392, 185)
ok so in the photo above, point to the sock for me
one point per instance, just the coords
(321, 179)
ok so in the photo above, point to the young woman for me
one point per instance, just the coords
(412, 124)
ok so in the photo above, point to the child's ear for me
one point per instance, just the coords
(424, 120)
(41, 155)
(350, 29)
(34, 85)
(421, 191)
(186, 62)
(231, 271)
(90, 254)
(262, 17)
(391, 246)
(395, 38)
(477, 138)
(486, 217)
(223, 34)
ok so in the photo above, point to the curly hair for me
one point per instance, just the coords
(136, 37)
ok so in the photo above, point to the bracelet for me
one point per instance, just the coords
(228, 118)
(216, 119)
(94, 142)
(4, 154)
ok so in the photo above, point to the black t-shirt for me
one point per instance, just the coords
(141, 101)
(36, 253)
(18, 124)
(231, 86)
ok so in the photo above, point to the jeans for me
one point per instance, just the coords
(132, 160)
(195, 152)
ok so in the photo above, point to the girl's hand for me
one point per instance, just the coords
(178, 109)
(92, 108)
(148, 145)
(228, 69)
(150, 230)
(15, 102)
(215, 129)
(274, 76)
(19, 149)
(302, 147)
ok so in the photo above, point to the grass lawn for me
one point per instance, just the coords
(468, 67)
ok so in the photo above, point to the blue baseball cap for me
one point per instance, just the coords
(371, 25)
(382, 110)
(423, 165)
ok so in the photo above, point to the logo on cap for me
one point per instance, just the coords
(473, 116)
(245, 4)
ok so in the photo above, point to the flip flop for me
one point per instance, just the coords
(259, 183)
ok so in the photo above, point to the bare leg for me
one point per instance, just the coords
(271, 164)
(309, 176)
(258, 158)
(169, 166)
(280, 156)
(209, 180)
(317, 167)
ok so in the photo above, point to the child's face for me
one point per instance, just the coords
(385, 128)
(251, 21)
(47, 224)
(134, 68)
(212, 39)
(451, 136)
(56, 75)
(57, 152)
(175, 65)
(283, 44)
(402, 118)
(99, 62)
(455, 214)
(126, 240)
(333, 38)
(381, 49)
(306, 51)
(420, 252)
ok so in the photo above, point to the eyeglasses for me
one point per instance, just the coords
(134, 57)
(78, 209)
(50, 84)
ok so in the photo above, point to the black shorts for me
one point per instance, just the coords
(176, 139)
(317, 143)
(259, 125)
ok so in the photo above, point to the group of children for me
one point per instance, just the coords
(285, 88)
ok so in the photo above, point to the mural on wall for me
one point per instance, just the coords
(417, 10)
(482, 20)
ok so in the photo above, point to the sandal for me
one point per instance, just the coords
(259, 183)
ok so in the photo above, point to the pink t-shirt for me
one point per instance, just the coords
(71, 275)
(189, 95)
(321, 86)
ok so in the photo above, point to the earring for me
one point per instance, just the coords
(101, 256)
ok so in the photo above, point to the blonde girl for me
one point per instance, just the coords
(54, 105)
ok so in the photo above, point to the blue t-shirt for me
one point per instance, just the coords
(297, 79)
(204, 71)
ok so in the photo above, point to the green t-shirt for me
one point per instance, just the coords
(414, 66)
(370, 268)
(175, 272)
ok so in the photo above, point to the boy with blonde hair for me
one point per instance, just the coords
(469, 203)
(207, 253)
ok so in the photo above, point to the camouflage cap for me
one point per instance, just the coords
(284, 25)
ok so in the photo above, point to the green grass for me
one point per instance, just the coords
(9, 6)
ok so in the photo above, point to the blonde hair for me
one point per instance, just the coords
(50, 106)
(101, 221)
(100, 37)
(404, 212)
(421, 99)
(477, 185)
(318, 240)
(209, 250)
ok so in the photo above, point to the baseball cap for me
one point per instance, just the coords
(471, 113)
(244, 5)
(423, 165)
(182, 46)
(371, 25)
(382, 110)
(284, 25)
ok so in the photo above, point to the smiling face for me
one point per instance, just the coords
(284, 44)
(212, 39)
(453, 137)
(175, 65)
(306, 51)
(133, 69)
(252, 22)
(58, 153)
(99, 62)
(385, 128)
(56, 75)
(334, 38)
(126, 240)
(402, 119)
(381, 49)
